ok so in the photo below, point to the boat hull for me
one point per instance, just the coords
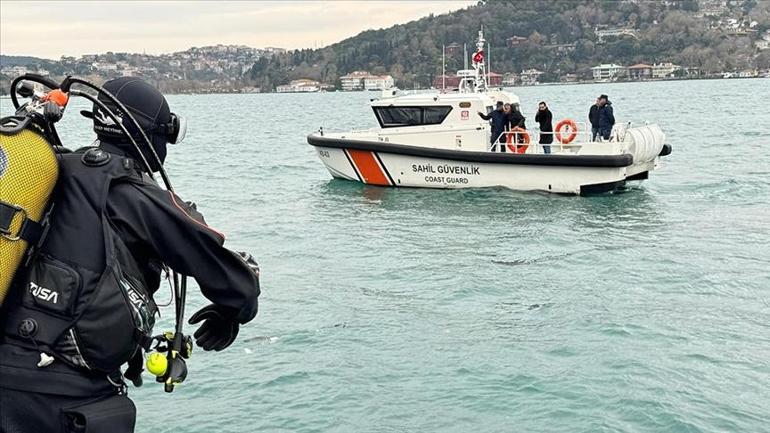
(395, 165)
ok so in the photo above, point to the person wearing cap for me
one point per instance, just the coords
(499, 120)
(110, 216)
(606, 117)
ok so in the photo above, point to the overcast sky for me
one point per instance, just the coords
(53, 29)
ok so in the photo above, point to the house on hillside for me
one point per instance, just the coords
(560, 48)
(514, 41)
(640, 71)
(609, 71)
(275, 50)
(605, 33)
(452, 82)
(453, 49)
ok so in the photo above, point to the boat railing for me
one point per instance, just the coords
(340, 131)
(583, 136)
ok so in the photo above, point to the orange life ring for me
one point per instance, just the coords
(572, 128)
(512, 140)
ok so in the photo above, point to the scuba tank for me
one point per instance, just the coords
(28, 173)
(29, 168)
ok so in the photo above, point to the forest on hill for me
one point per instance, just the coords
(556, 37)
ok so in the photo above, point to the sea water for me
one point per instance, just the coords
(416, 310)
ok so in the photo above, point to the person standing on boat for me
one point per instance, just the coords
(516, 120)
(499, 121)
(545, 119)
(606, 117)
(593, 117)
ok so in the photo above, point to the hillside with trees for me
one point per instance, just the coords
(560, 38)
(557, 37)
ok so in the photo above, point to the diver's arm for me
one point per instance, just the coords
(182, 239)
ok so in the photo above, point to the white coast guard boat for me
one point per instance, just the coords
(437, 140)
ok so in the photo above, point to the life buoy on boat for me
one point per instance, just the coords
(512, 138)
(572, 131)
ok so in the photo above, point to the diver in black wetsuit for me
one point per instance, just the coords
(112, 230)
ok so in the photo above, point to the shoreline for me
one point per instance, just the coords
(572, 83)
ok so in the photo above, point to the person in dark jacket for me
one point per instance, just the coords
(516, 119)
(545, 119)
(593, 118)
(499, 121)
(606, 117)
(109, 215)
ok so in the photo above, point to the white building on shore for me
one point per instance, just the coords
(354, 80)
(664, 70)
(609, 71)
(360, 80)
(299, 86)
(378, 82)
(530, 77)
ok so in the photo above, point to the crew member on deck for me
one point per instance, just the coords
(499, 121)
(545, 119)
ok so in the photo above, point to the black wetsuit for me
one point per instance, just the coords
(156, 227)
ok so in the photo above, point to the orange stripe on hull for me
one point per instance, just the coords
(368, 167)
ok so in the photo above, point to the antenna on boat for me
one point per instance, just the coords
(489, 62)
(480, 84)
(443, 68)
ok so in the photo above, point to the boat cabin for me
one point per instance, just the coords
(448, 120)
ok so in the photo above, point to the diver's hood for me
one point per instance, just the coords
(150, 109)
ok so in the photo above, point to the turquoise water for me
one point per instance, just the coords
(409, 310)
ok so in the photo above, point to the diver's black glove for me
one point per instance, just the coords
(250, 261)
(219, 328)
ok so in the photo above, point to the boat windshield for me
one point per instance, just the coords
(391, 117)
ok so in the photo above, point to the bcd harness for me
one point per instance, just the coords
(83, 298)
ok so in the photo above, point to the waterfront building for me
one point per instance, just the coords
(354, 80)
(378, 82)
(664, 70)
(640, 71)
(299, 86)
(609, 71)
(530, 77)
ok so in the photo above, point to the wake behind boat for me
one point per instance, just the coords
(437, 140)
